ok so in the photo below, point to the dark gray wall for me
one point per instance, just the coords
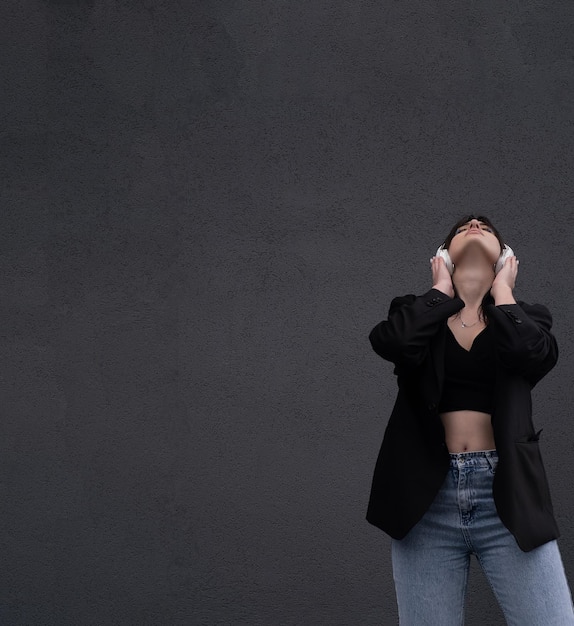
(206, 206)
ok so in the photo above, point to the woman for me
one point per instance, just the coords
(459, 471)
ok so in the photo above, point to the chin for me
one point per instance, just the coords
(487, 250)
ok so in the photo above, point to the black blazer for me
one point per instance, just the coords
(414, 460)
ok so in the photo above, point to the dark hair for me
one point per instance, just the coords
(465, 220)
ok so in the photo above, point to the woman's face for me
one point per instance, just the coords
(474, 233)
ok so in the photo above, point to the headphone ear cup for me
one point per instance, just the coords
(442, 252)
(507, 251)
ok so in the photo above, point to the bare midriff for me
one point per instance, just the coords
(467, 431)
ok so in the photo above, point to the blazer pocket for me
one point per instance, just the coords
(534, 438)
(531, 475)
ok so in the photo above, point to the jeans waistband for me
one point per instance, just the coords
(484, 458)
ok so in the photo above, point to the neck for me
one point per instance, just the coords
(472, 283)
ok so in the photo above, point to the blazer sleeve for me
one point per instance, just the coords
(412, 321)
(524, 342)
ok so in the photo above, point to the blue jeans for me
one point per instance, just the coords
(430, 565)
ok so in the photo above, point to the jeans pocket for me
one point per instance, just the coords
(492, 464)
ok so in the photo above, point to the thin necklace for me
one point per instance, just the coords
(466, 325)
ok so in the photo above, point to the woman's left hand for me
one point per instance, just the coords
(505, 281)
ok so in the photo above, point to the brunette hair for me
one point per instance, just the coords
(465, 220)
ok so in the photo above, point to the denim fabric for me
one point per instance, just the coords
(430, 565)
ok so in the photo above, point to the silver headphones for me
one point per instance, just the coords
(506, 252)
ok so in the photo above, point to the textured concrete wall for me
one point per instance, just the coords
(206, 206)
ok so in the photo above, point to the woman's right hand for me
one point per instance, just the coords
(441, 278)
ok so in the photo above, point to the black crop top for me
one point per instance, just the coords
(469, 375)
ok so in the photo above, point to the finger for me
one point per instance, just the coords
(510, 262)
(514, 264)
